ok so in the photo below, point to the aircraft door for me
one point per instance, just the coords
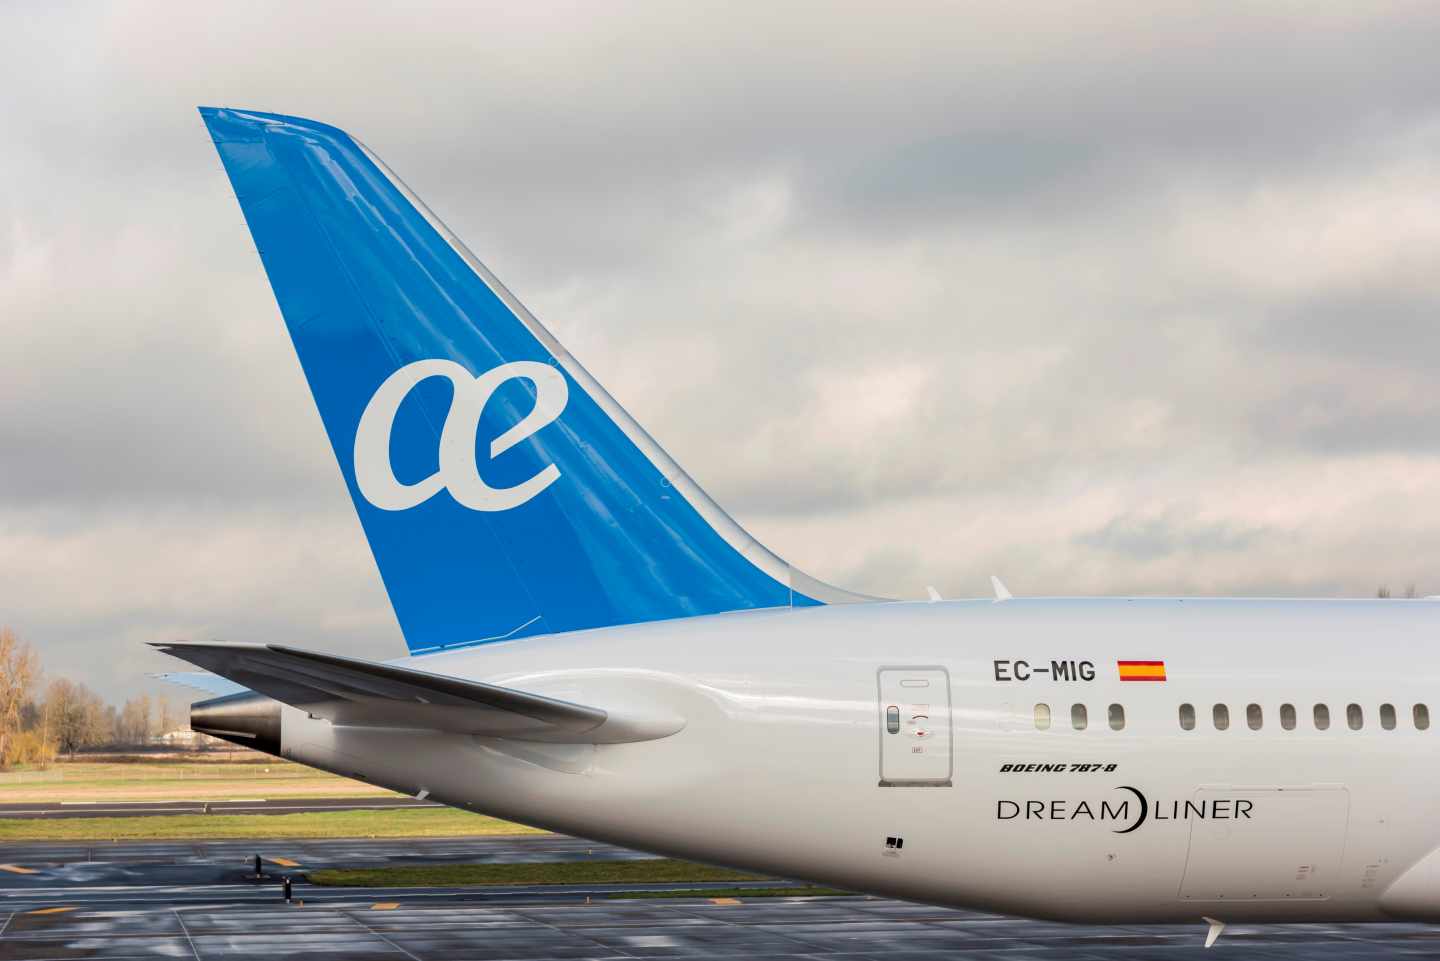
(915, 735)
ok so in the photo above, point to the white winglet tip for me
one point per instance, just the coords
(1002, 593)
(1216, 927)
(933, 594)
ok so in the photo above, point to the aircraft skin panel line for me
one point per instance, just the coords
(651, 676)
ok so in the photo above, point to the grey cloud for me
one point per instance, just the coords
(1388, 327)
(918, 296)
(1146, 538)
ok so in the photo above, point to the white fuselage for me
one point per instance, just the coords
(801, 754)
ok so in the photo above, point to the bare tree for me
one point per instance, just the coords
(19, 669)
(168, 720)
(104, 721)
(77, 716)
(135, 725)
(152, 718)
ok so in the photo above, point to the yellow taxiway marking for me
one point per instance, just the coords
(726, 901)
(385, 906)
(16, 869)
(70, 907)
(285, 862)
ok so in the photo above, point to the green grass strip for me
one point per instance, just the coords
(799, 891)
(650, 871)
(424, 823)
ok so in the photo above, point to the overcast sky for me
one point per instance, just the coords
(1103, 298)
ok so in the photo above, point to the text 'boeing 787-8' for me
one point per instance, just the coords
(597, 648)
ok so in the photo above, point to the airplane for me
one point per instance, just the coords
(595, 647)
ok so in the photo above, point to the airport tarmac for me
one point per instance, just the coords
(193, 900)
(254, 805)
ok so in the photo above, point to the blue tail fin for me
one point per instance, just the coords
(503, 492)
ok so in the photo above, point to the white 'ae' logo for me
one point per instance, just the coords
(459, 473)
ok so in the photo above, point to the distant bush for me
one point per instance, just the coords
(28, 748)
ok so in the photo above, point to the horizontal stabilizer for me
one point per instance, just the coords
(353, 692)
(212, 684)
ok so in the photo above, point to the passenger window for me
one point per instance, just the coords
(1117, 717)
(1422, 717)
(1042, 717)
(1354, 717)
(1221, 714)
(1079, 719)
(1187, 717)
(1322, 717)
(1287, 716)
(1387, 716)
(1253, 717)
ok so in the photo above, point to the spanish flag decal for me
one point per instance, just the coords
(1141, 670)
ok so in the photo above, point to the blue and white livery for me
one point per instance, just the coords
(655, 678)
(503, 491)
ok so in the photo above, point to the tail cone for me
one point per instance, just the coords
(248, 719)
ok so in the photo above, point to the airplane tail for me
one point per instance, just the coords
(504, 493)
